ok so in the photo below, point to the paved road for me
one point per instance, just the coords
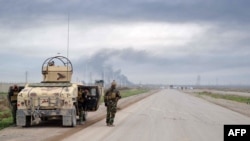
(168, 115)
(53, 131)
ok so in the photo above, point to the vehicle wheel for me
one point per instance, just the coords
(28, 121)
(74, 117)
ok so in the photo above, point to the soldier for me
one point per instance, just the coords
(80, 100)
(82, 95)
(52, 63)
(111, 98)
(12, 97)
(85, 94)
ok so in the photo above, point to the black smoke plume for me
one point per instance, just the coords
(100, 66)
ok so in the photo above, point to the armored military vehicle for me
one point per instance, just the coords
(56, 96)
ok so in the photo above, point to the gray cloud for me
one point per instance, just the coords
(16, 12)
(222, 51)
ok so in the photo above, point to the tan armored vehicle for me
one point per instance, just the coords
(56, 96)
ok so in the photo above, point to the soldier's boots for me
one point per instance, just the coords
(81, 122)
(110, 124)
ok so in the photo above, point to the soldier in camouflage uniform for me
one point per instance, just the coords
(12, 97)
(111, 98)
(82, 94)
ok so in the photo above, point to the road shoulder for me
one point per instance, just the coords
(241, 108)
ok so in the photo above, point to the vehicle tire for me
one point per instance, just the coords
(74, 117)
(28, 121)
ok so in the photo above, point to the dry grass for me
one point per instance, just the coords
(237, 98)
(4, 104)
(4, 109)
(5, 112)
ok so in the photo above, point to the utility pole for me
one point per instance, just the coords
(198, 80)
(216, 82)
(68, 39)
(90, 78)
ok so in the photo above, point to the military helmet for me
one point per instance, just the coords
(15, 87)
(113, 83)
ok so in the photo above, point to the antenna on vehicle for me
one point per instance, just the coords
(68, 38)
(68, 46)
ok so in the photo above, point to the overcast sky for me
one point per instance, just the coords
(146, 41)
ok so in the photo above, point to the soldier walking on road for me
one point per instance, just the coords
(111, 98)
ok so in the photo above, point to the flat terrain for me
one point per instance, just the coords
(53, 130)
(165, 115)
(242, 108)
